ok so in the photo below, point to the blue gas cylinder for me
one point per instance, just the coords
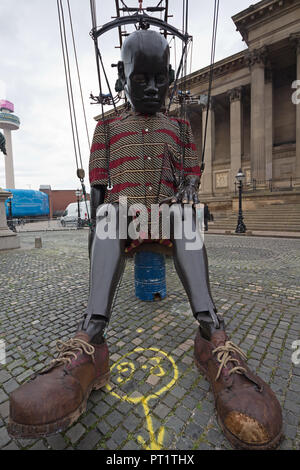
(150, 276)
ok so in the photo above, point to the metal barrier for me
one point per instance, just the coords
(271, 185)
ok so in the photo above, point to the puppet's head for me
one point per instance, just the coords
(144, 70)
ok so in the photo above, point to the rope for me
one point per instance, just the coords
(212, 60)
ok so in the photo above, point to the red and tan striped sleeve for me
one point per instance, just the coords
(188, 147)
(98, 158)
(192, 157)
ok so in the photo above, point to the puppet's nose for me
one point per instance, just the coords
(151, 87)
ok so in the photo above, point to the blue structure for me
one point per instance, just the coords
(28, 203)
(150, 276)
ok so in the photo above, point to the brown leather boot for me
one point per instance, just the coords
(247, 409)
(52, 400)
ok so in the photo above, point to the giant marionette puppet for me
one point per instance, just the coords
(140, 142)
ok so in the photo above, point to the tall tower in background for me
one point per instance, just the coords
(8, 122)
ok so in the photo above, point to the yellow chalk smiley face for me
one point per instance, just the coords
(160, 364)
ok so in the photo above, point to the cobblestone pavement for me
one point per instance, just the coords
(255, 284)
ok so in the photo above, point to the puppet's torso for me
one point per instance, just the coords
(145, 157)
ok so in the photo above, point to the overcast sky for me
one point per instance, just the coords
(32, 76)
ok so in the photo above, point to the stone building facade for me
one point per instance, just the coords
(253, 122)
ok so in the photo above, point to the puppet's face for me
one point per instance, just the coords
(146, 72)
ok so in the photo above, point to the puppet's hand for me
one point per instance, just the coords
(188, 192)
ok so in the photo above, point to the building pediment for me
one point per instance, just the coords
(262, 13)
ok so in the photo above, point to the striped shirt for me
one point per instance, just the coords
(144, 156)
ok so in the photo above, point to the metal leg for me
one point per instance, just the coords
(192, 269)
(106, 267)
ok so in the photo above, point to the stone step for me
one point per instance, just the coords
(273, 228)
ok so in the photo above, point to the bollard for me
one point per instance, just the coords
(38, 243)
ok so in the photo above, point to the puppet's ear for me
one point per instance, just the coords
(171, 75)
(121, 77)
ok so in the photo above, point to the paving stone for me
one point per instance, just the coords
(57, 442)
(4, 437)
(119, 435)
(103, 427)
(11, 446)
(89, 420)
(4, 409)
(10, 386)
(255, 286)
(131, 422)
(161, 410)
(175, 423)
(114, 418)
(75, 432)
(3, 396)
(131, 445)
(90, 441)
(182, 413)
(39, 446)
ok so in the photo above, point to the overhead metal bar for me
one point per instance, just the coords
(143, 20)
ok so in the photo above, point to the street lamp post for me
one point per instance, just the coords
(241, 227)
(78, 194)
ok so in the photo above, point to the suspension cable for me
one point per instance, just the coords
(185, 5)
(78, 75)
(105, 124)
(212, 60)
(68, 78)
(74, 128)
(67, 83)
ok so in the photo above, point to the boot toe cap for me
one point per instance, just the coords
(246, 429)
(253, 419)
(38, 402)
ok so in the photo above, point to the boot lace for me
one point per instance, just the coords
(68, 350)
(224, 357)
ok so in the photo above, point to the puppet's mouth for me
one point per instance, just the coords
(151, 100)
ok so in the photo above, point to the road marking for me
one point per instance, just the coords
(157, 367)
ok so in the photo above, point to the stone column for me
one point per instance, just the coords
(269, 123)
(295, 40)
(9, 164)
(207, 179)
(256, 62)
(235, 97)
(8, 239)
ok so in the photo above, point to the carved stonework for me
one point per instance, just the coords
(247, 175)
(221, 180)
(257, 57)
(211, 104)
(235, 94)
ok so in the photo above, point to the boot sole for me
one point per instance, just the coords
(234, 441)
(25, 431)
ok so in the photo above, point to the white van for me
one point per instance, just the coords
(70, 215)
